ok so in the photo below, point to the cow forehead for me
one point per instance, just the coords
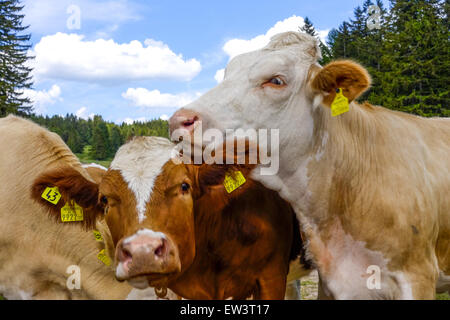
(292, 46)
(140, 162)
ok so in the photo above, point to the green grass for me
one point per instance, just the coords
(86, 160)
(1, 297)
(443, 296)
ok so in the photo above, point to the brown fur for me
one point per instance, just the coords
(242, 249)
(72, 186)
(345, 74)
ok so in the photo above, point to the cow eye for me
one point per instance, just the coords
(275, 82)
(104, 200)
(184, 187)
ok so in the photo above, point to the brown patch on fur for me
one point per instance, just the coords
(72, 186)
(345, 74)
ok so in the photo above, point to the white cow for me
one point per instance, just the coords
(369, 187)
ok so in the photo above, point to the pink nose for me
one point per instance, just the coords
(183, 119)
(143, 254)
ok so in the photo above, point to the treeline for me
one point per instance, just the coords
(96, 138)
(408, 56)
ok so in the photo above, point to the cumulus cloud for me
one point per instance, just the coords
(71, 57)
(219, 75)
(164, 117)
(142, 97)
(236, 47)
(42, 98)
(82, 113)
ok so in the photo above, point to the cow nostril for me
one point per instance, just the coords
(126, 255)
(189, 122)
(159, 251)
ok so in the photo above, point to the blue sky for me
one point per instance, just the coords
(135, 59)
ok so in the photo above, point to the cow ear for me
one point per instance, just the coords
(66, 186)
(219, 184)
(231, 174)
(348, 75)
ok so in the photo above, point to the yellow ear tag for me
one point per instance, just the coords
(97, 235)
(71, 213)
(340, 104)
(52, 195)
(103, 257)
(233, 181)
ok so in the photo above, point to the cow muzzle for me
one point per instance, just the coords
(184, 120)
(146, 257)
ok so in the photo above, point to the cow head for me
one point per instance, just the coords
(277, 87)
(147, 200)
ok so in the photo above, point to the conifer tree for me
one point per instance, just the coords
(415, 59)
(308, 28)
(14, 72)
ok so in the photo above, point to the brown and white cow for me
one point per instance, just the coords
(175, 226)
(370, 187)
(35, 252)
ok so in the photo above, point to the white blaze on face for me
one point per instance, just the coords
(140, 161)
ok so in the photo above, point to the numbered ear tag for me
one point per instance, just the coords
(233, 181)
(51, 194)
(71, 213)
(340, 104)
(103, 257)
(97, 235)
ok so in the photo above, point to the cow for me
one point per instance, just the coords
(38, 258)
(369, 186)
(176, 226)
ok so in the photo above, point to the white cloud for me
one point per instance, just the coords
(219, 75)
(71, 57)
(142, 97)
(164, 117)
(42, 98)
(235, 47)
(131, 121)
(323, 34)
(81, 113)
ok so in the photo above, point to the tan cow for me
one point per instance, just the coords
(370, 187)
(35, 252)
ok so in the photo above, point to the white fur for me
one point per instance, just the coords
(350, 260)
(15, 293)
(94, 165)
(140, 162)
(146, 232)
